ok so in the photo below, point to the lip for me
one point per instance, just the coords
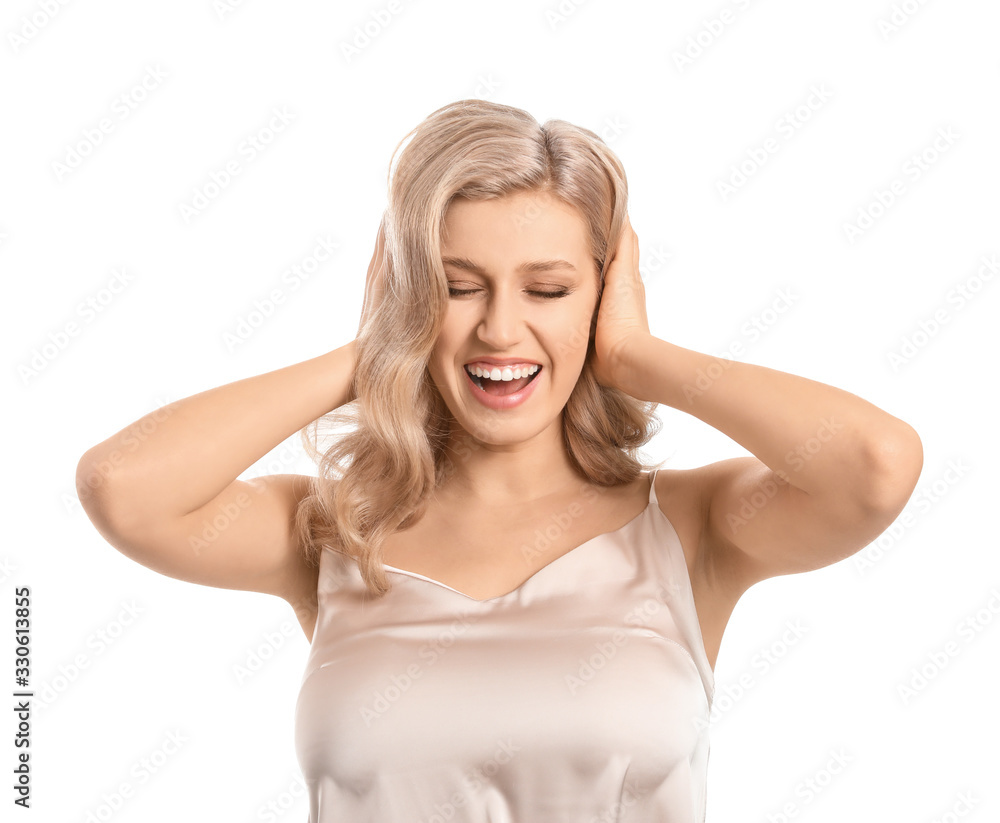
(500, 402)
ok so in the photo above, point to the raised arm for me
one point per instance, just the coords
(164, 490)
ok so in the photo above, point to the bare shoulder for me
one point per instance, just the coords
(684, 497)
(679, 498)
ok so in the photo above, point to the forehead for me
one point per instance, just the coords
(529, 222)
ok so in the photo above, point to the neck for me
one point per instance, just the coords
(508, 474)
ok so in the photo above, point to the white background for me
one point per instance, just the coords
(712, 263)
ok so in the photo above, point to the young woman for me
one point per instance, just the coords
(511, 618)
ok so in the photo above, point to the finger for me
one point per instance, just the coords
(622, 247)
(628, 232)
(628, 224)
(628, 242)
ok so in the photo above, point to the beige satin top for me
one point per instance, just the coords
(583, 695)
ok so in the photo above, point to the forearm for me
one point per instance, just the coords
(176, 459)
(819, 438)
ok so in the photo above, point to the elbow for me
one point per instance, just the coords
(95, 473)
(892, 465)
(102, 491)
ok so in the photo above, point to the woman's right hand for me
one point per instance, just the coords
(375, 282)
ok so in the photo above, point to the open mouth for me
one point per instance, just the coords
(501, 387)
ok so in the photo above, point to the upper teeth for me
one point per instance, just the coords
(506, 373)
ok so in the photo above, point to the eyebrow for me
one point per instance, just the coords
(532, 266)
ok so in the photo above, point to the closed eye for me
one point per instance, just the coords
(546, 294)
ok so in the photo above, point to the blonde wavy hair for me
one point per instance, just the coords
(375, 479)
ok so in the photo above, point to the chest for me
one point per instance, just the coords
(488, 553)
(556, 704)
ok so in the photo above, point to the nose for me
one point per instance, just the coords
(501, 323)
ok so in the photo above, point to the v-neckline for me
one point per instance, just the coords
(417, 576)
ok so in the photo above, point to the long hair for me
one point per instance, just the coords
(376, 478)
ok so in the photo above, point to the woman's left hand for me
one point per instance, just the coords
(621, 313)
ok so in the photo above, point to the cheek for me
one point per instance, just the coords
(442, 361)
(447, 340)
(574, 328)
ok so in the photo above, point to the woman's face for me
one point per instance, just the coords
(509, 300)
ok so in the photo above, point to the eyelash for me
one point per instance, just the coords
(546, 294)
